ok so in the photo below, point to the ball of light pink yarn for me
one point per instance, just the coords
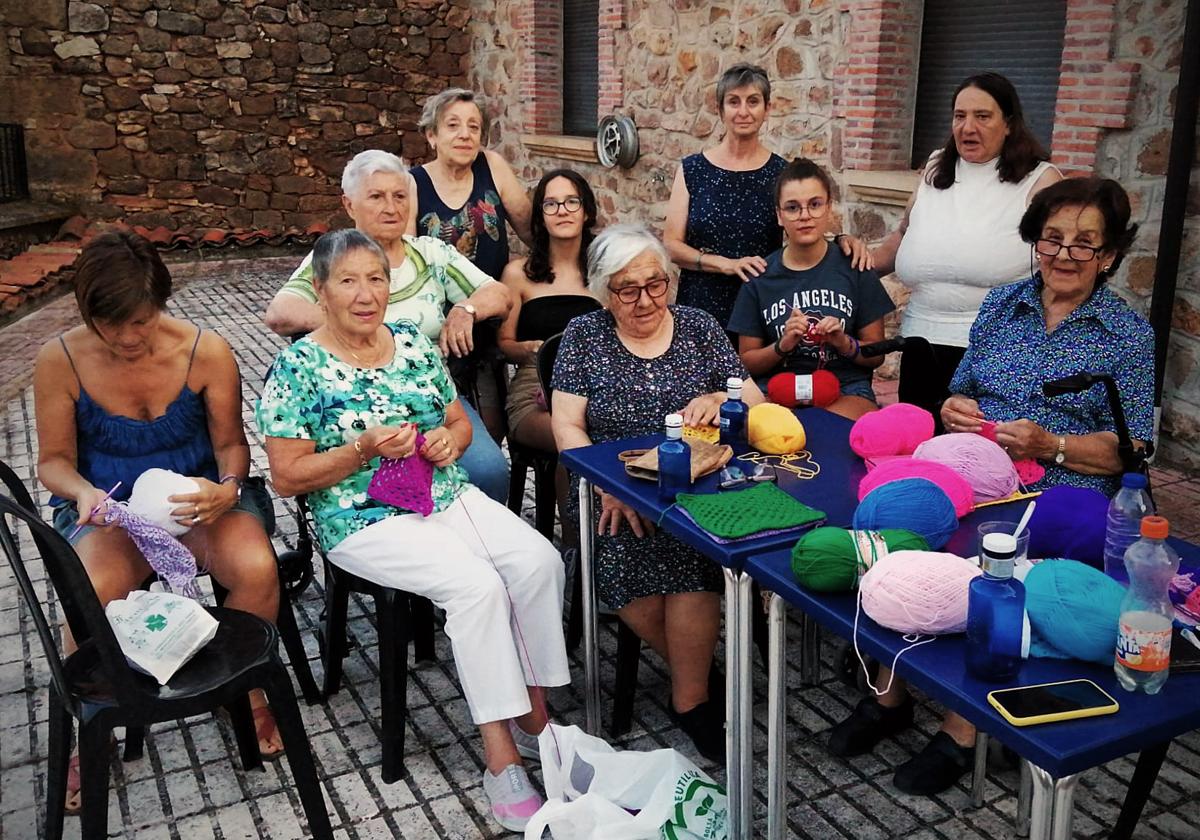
(918, 592)
(897, 429)
(983, 463)
(953, 484)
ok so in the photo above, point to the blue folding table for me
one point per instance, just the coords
(1055, 753)
(827, 491)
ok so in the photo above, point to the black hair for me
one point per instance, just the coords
(537, 267)
(1105, 194)
(802, 169)
(1021, 152)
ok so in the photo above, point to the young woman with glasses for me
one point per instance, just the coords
(810, 308)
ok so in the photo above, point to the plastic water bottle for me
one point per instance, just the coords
(674, 461)
(733, 413)
(1125, 513)
(1144, 633)
(995, 613)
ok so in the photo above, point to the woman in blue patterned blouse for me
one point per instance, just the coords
(1062, 321)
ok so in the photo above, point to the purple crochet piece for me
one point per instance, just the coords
(167, 556)
(406, 483)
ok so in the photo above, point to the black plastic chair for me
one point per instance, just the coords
(399, 617)
(544, 464)
(95, 686)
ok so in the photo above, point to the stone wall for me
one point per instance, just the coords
(219, 113)
(671, 54)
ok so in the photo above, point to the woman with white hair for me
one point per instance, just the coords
(357, 390)
(619, 372)
(427, 276)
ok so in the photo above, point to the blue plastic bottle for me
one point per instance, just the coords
(995, 613)
(1125, 513)
(733, 413)
(674, 461)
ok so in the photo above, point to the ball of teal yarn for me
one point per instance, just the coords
(916, 504)
(1073, 611)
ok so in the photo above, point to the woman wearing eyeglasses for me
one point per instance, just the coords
(810, 308)
(1062, 321)
(619, 372)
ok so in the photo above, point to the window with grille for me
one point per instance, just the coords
(580, 66)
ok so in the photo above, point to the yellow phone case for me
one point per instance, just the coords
(1053, 717)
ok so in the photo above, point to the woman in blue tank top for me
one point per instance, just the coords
(132, 389)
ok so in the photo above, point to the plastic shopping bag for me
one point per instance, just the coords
(159, 632)
(594, 792)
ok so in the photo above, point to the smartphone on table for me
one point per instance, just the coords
(1052, 702)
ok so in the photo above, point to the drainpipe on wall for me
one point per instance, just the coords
(1170, 239)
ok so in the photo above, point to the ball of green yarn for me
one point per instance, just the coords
(825, 560)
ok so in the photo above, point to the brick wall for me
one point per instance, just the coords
(843, 78)
(219, 113)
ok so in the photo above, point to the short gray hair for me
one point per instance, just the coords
(615, 248)
(365, 164)
(437, 104)
(743, 75)
(333, 246)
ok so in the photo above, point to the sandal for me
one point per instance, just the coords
(264, 728)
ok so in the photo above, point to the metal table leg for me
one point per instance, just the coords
(777, 719)
(1053, 805)
(744, 640)
(591, 648)
(733, 704)
(1024, 799)
(980, 776)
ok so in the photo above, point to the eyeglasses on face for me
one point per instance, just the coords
(816, 208)
(631, 294)
(572, 203)
(731, 477)
(1079, 253)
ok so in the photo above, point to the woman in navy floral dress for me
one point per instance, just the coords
(619, 372)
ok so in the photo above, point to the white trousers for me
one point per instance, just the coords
(500, 645)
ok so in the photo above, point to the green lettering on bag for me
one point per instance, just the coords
(156, 622)
(695, 815)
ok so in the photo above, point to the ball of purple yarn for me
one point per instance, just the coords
(1069, 522)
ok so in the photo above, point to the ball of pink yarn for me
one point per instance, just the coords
(918, 592)
(953, 484)
(983, 463)
(897, 429)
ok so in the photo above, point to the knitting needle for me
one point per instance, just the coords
(96, 509)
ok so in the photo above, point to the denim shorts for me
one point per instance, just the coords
(255, 500)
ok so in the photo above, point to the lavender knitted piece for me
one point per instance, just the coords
(167, 556)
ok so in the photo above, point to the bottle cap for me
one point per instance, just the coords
(734, 383)
(1135, 480)
(998, 555)
(1155, 527)
(675, 421)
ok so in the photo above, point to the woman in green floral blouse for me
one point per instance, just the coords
(357, 389)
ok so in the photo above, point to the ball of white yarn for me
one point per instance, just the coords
(150, 493)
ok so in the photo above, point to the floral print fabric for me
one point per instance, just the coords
(310, 394)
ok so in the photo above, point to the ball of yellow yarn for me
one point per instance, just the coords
(774, 429)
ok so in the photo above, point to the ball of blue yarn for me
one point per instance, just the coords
(1073, 611)
(916, 504)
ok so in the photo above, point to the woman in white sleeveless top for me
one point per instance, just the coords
(958, 238)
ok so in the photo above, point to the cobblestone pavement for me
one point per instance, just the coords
(189, 785)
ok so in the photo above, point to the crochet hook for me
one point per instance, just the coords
(96, 509)
(1025, 519)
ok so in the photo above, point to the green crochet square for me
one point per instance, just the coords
(739, 513)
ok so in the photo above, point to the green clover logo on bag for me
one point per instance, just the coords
(156, 622)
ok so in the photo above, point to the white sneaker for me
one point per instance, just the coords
(527, 745)
(513, 797)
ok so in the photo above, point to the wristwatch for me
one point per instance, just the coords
(237, 483)
(466, 307)
(1061, 455)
